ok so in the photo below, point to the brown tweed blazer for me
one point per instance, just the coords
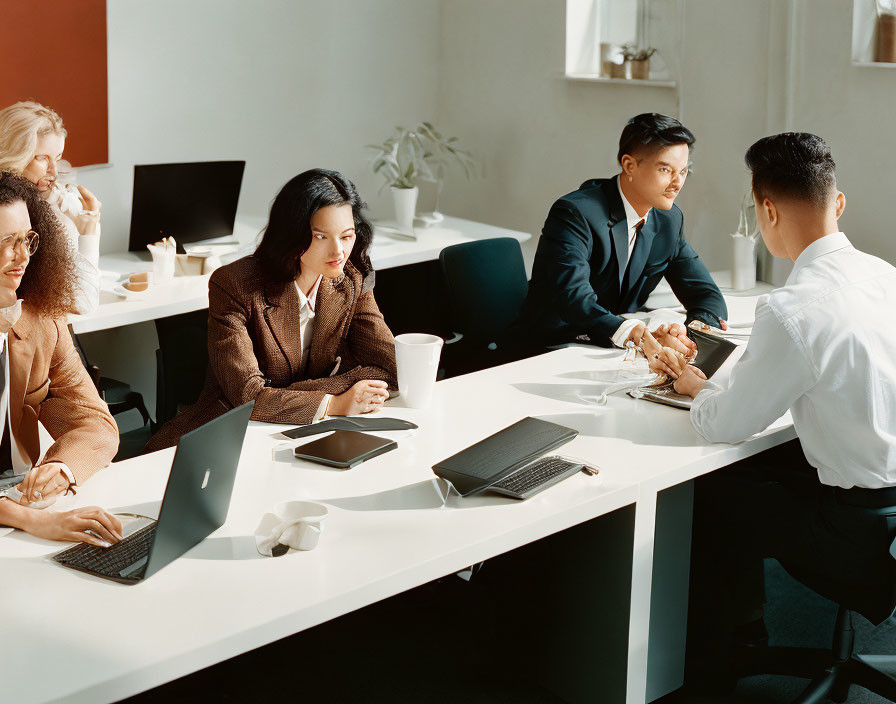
(48, 383)
(255, 351)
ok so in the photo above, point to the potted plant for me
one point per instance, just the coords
(442, 152)
(638, 61)
(409, 156)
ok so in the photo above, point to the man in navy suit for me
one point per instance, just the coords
(606, 246)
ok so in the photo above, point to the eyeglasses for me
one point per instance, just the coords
(29, 240)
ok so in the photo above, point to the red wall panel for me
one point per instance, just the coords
(54, 52)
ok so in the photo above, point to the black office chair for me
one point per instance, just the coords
(181, 362)
(832, 671)
(486, 284)
(117, 394)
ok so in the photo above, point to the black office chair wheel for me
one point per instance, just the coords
(842, 669)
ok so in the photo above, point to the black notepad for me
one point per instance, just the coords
(358, 424)
(492, 459)
(344, 449)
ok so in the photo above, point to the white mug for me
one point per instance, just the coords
(297, 524)
(417, 356)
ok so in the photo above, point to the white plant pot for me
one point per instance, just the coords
(405, 200)
(743, 263)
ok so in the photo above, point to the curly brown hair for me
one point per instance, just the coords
(50, 280)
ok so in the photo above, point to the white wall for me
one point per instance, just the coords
(285, 85)
(502, 90)
(503, 93)
(852, 108)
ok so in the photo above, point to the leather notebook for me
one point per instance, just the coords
(344, 449)
(490, 460)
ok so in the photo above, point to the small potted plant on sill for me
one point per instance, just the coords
(638, 61)
(409, 156)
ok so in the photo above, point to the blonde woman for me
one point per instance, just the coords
(32, 139)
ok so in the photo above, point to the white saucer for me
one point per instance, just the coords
(120, 290)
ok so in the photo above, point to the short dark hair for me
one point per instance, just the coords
(652, 131)
(792, 165)
(288, 232)
(50, 281)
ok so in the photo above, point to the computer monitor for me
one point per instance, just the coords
(190, 202)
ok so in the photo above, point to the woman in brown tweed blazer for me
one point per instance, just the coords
(295, 326)
(47, 381)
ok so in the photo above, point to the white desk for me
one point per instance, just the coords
(190, 293)
(387, 535)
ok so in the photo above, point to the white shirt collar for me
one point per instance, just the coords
(820, 247)
(631, 216)
(309, 301)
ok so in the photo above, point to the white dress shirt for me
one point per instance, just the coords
(307, 305)
(632, 219)
(823, 347)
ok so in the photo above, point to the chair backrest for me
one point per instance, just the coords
(181, 362)
(486, 284)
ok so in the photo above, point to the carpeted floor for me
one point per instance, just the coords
(798, 617)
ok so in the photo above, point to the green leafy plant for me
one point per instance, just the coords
(421, 154)
(631, 53)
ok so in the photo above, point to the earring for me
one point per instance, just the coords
(629, 179)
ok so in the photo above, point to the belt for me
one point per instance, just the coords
(866, 498)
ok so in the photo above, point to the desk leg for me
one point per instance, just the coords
(563, 605)
(660, 577)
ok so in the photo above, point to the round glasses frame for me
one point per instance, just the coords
(30, 240)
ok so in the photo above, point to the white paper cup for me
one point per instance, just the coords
(743, 263)
(417, 355)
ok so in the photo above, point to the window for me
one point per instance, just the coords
(597, 31)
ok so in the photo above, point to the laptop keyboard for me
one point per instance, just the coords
(536, 476)
(113, 560)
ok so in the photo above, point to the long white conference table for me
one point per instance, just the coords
(387, 532)
(189, 293)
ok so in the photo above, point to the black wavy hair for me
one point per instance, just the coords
(288, 232)
(792, 165)
(650, 131)
(50, 282)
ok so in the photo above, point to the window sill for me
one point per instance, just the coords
(643, 83)
(874, 64)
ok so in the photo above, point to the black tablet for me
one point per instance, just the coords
(344, 449)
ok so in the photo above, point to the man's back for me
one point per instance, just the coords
(838, 309)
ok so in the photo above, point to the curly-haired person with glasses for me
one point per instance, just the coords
(42, 379)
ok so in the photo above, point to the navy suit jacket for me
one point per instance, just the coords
(582, 278)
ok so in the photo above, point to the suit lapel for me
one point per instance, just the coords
(643, 244)
(618, 226)
(281, 313)
(331, 314)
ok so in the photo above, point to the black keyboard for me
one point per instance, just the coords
(119, 561)
(536, 476)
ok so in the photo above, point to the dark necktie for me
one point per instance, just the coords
(634, 238)
(5, 442)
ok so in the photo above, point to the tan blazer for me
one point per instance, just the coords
(255, 351)
(48, 383)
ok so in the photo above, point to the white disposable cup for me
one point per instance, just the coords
(302, 521)
(743, 263)
(417, 355)
(162, 267)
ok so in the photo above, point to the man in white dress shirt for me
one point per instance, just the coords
(822, 347)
